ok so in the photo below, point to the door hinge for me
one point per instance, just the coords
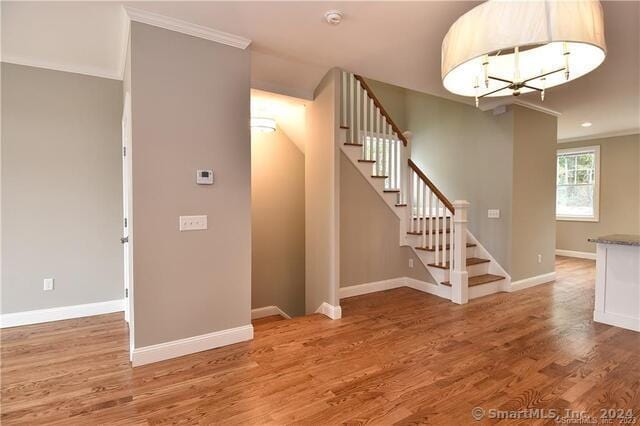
(125, 222)
(124, 151)
(126, 292)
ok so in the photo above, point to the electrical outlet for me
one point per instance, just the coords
(539, 258)
(48, 284)
(193, 223)
(410, 262)
(493, 214)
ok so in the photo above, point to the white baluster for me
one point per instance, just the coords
(359, 107)
(410, 196)
(451, 241)
(352, 102)
(372, 129)
(430, 219)
(365, 117)
(392, 165)
(437, 232)
(426, 215)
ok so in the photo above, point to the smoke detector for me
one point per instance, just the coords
(333, 17)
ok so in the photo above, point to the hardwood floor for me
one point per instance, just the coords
(398, 356)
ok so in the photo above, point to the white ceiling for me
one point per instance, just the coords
(292, 48)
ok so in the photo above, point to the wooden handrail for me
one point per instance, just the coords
(377, 103)
(433, 188)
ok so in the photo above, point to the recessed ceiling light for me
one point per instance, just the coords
(586, 124)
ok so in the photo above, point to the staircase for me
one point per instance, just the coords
(434, 227)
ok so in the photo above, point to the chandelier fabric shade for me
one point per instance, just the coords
(504, 47)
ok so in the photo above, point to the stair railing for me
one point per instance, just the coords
(370, 126)
(441, 223)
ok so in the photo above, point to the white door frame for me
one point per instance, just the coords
(127, 222)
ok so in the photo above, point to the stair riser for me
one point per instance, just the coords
(429, 256)
(441, 275)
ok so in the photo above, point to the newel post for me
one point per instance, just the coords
(459, 275)
(404, 163)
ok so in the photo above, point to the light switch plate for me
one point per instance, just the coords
(48, 284)
(193, 223)
(493, 214)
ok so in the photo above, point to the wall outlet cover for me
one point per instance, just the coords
(493, 213)
(410, 262)
(48, 284)
(193, 223)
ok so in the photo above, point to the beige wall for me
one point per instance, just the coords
(619, 194)
(277, 223)
(369, 237)
(533, 230)
(61, 188)
(322, 197)
(190, 101)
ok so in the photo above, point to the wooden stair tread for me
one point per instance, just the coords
(367, 161)
(480, 279)
(391, 190)
(440, 247)
(352, 144)
(433, 217)
(379, 177)
(470, 261)
(345, 127)
(440, 231)
(401, 205)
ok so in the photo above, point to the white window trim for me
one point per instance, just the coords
(596, 190)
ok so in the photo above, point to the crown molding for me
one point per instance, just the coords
(90, 71)
(188, 28)
(601, 135)
(488, 106)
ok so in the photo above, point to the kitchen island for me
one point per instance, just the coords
(617, 299)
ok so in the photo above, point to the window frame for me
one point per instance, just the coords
(596, 186)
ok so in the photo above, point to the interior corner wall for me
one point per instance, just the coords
(61, 188)
(533, 223)
(369, 237)
(322, 197)
(277, 223)
(190, 110)
(619, 194)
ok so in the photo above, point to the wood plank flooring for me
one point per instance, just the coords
(398, 356)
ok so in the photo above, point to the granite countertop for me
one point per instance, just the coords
(622, 239)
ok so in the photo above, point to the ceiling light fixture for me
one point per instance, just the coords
(502, 48)
(586, 124)
(263, 124)
(333, 17)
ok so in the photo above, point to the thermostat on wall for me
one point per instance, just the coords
(204, 177)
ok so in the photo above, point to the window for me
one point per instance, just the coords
(577, 183)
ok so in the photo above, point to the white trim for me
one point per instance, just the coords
(372, 287)
(61, 313)
(617, 320)
(267, 311)
(596, 187)
(126, 29)
(578, 254)
(333, 312)
(188, 28)
(532, 281)
(489, 105)
(430, 288)
(602, 135)
(90, 71)
(190, 345)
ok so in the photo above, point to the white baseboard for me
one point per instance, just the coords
(532, 281)
(578, 254)
(426, 287)
(366, 288)
(617, 320)
(267, 311)
(333, 312)
(62, 313)
(190, 345)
